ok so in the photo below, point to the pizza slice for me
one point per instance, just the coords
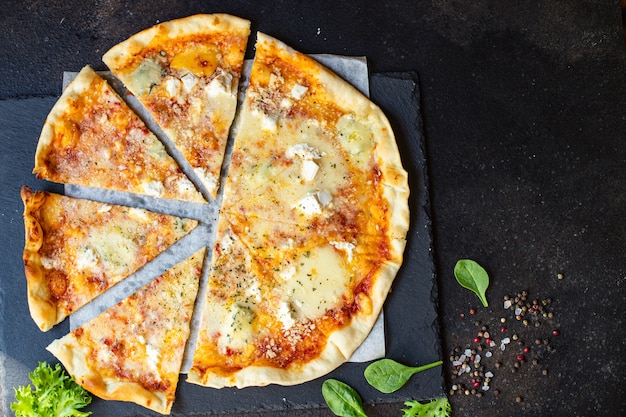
(75, 249)
(286, 304)
(134, 350)
(186, 73)
(311, 149)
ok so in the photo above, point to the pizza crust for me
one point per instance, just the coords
(118, 56)
(74, 358)
(42, 309)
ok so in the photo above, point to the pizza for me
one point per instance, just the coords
(186, 73)
(311, 198)
(134, 350)
(92, 138)
(312, 228)
(76, 249)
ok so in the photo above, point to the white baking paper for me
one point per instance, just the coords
(353, 69)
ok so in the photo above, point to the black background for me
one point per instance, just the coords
(523, 105)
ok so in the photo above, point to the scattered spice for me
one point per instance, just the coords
(475, 365)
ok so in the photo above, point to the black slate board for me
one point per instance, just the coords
(412, 328)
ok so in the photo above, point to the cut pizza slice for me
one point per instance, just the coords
(243, 339)
(311, 149)
(286, 304)
(76, 249)
(134, 350)
(92, 138)
(186, 73)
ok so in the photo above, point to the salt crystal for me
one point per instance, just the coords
(506, 340)
(456, 363)
(508, 304)
(462, 358)
(488, 354)
(468, 352)
(489, 374)
(492, 344)
(518, 311)
(461, 371)
(485, 387)
(477, 359)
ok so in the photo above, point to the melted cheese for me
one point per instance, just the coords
(319, 281)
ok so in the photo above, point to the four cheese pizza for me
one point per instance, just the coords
(312, 221)
(186, 73)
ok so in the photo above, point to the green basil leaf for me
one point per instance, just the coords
(387, 375)
(469, 274)
(342, 399)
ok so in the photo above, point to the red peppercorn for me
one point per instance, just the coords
(555, 332)
(526, 349)
(503, 329)
(520, 357)
(462, 315)
(472, 311)
(488, 341)
(476, 339)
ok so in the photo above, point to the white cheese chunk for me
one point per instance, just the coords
(309, 205)
(153, 188)
(309, 170)
(189, 81)
(324, 197)
(298, 91)
(208, 180)
(173, 86)
(86, 258)
(303, 151)
(104, 209)
(269, 122)
(345, 246)
(286, 103)
(220, 85)
(287, 273)
(153, 357)
(284, 315)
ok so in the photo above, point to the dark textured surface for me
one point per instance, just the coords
(523, 106)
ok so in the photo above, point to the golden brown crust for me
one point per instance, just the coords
(75, 359)
(42, 308)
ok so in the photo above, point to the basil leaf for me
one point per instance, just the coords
(342, 399)
(469, 274)
(387, 375)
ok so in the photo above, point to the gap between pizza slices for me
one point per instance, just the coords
(314, 209)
